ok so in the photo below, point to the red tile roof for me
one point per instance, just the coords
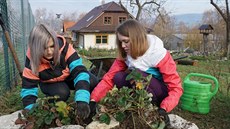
(67, 24)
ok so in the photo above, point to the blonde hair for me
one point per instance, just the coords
(38, 41)
(137, 36)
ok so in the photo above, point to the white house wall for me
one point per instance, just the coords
(90, 41)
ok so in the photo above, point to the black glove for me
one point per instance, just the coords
(93, 107)
(164, 116)
(83, 109)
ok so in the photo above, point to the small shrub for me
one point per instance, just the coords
(45, 114)
(95, 52)
(131, 107)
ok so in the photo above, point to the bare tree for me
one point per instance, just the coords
(214, 18)
(55, 21)
(40, 15)
(224, 12)
(182, 28)
(140, 6)
(193, 39)
(164, 28)
(73, 16)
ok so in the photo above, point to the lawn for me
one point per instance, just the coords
(219, 115)
(217, 118)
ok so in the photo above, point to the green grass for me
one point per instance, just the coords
(217, 118)
(219, 115)
(10, 101)
(217, 69)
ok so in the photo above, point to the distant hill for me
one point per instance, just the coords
(190, 19)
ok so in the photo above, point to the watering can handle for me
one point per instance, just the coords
(205, 76)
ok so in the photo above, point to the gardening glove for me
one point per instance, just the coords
(93, 107)
(164, 115)
(83, 109)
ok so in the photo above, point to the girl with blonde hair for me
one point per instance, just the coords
(54, 66)
(145, 52)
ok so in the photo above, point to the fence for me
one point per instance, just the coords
(19, 20)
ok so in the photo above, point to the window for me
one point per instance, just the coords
(89, 18)
(101, 39)
(107, 20)
(122, 19)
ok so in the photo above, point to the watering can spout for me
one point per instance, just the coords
(197, 95)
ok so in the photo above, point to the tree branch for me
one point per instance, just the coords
(219, 10)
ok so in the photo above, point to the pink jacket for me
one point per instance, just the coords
(166, 66)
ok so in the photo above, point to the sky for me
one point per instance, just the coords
(173, 6)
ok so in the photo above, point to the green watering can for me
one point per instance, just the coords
(197, 95)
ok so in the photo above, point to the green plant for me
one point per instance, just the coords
(130, 104)
(46, 114)
(95, 52)
(217, 118)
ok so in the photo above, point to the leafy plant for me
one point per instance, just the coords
(46, 114)
(130, 104)
(95, 52)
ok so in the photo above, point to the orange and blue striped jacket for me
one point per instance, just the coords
(70, 66)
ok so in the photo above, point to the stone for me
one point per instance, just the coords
(69, 127)
(176, 122)
(7, 121)
(98, 125)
